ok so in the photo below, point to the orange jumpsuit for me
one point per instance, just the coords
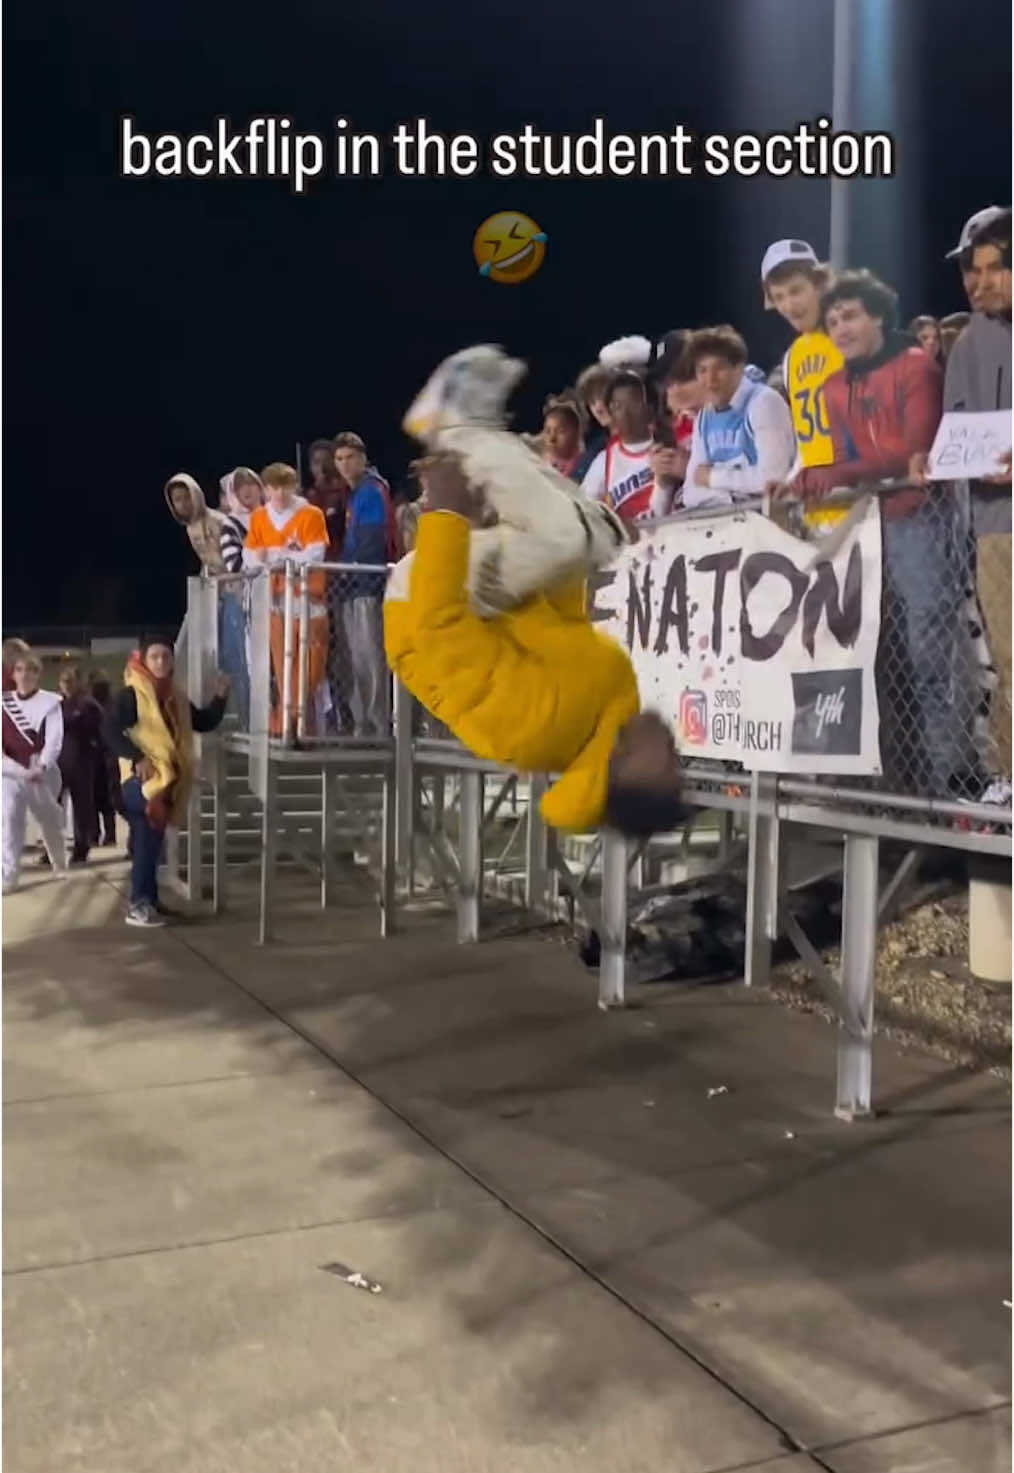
(298, 532)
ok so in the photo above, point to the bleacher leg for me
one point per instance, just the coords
(388, 854)
(405, 783)
(761, 881)
(470, 856)
(219, 854)
(536, 850)
(613, 940)
(269, 845)
(858, 968)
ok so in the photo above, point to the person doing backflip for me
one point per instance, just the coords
(487, 625)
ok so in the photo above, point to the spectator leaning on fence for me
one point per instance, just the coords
(150, 727)
(361, 594)
(328, 493)
(681, 400)
(563, 434)
(951, 328)
(883, 410)
(289, 529)
(241, 494)
(32, 741)
(926, 331)
(743, 440)
(793, 281)
(621, 475)
(590, 391)
(185, 500)
(979, 379)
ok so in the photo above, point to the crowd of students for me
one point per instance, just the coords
(651, 428)
(687, 422)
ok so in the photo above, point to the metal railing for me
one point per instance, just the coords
(947, 753)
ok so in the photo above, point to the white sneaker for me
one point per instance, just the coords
(144, 914)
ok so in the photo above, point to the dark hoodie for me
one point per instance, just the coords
(880, 411)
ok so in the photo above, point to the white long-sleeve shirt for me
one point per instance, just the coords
(770, 425)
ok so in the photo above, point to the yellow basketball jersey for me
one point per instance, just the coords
(808, 364)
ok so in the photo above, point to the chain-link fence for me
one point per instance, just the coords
(303, 646)
(942, 670)
(944, 653)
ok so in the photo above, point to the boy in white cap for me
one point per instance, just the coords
(793, 281)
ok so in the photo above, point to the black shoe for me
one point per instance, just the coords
(109, 842)
(78, 859)
(43, 861)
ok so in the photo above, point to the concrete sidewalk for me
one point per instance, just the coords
(587, 1262)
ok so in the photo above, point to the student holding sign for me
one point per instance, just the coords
(979, 382)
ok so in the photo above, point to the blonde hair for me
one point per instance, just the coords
(14, 649)
(29, 659)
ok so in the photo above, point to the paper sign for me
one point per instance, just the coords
(969, 446)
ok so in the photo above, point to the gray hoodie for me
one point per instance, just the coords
(978, 378)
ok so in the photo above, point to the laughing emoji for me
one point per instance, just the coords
(509, 247)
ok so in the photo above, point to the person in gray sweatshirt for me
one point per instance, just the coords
(978, 378)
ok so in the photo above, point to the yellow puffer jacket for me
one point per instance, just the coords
(537, 689)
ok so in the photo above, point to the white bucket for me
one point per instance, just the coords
(989, 930)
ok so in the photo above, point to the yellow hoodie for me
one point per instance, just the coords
(537, 688)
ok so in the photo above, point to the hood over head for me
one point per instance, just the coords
(198, 504)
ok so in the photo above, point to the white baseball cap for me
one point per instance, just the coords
(972, 226)
(786, 250)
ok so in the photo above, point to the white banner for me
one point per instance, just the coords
(758, 649)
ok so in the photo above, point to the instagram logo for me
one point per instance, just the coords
(694, 717)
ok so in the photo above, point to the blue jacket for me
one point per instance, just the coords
(365, 539)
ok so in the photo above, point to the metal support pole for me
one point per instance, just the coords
(269, 844)
(389, 853)
(613, 937)
(858, 968)
(536, 849)
(328, 805)
(724, 836)
(302, 636)
(841, 118)
(405, 783)
(288, 649)
(470, 856)
(761, 882)
(219, 854)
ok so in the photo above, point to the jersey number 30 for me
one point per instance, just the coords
(806, 428)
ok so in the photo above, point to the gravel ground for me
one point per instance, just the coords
(924, 994)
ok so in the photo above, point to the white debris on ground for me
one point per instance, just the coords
(925, 994)
(718, 1089)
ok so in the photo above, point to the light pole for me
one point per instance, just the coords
(842, 100)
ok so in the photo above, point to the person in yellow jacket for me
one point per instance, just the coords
(534, 687)
(150, 728)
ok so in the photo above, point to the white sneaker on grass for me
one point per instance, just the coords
(143, 914)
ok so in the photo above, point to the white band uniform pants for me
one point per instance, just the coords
(41, 799)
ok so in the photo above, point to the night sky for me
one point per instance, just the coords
(158, 325)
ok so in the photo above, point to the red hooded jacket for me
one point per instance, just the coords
(880, 412)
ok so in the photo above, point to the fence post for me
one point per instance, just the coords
(858, 969)
(536, 849)
(613, 941)
(269, 845)
(219, 857)
(405, 782)
(470, 856)
(761, 881)
(259, 646)
(388, 852)
(302, 637)
(288, 649)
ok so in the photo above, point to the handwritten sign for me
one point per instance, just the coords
(758, 649)
(969, 446)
